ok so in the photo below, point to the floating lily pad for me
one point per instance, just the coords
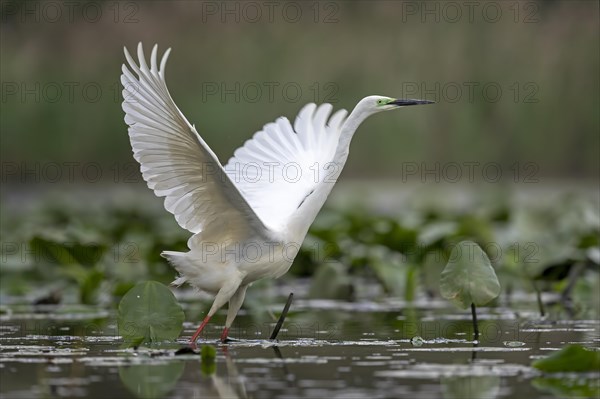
(571, 358)
(469, 277)
(149, 312)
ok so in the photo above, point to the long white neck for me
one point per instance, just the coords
(357, 116)
(301, 221)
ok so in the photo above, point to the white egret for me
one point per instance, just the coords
(249, 217)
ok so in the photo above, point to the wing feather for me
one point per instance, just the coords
(265, 168)
(176, 162)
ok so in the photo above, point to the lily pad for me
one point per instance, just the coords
(469, 277)
(571, 358)
(149, 312)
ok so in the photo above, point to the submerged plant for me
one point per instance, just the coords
(208, 356)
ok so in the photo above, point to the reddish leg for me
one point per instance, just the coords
(224, 335)
(199, 330)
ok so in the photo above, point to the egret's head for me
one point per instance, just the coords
(373, 104)
(381, 103)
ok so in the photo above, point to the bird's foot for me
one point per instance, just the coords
(229, 340)
(224, 337)
(186, 350)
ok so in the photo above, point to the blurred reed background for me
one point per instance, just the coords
(235, 67)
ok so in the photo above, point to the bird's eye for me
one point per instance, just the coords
(380, 102)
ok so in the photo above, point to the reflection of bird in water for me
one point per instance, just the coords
(232, 386)
(249, 217)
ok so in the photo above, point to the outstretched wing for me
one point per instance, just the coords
(281, 166)
(176, 163)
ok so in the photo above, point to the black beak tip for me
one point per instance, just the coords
(405, 102)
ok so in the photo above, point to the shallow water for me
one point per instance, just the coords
(326, 349)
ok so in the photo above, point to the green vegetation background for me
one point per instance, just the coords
(100, 239)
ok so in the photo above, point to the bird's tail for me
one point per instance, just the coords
(181, 263)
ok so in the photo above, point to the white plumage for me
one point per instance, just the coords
(250, 217)
(280, 165)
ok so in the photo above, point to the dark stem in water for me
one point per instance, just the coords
(286, 308)
(475, 326)
(538, 296)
